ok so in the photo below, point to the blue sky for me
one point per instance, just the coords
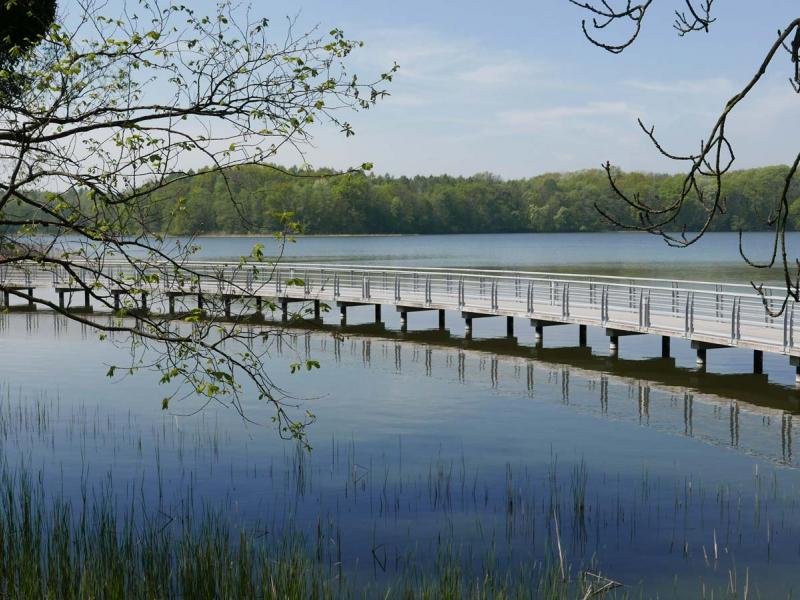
(512, 87)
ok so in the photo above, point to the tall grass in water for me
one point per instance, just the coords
(357, 525)
(49, 550)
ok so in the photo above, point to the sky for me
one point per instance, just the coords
(513, 88)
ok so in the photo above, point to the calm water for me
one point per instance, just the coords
(714, 258)
(425, 440)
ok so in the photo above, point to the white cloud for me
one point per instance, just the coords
(506, 72)
(713, 86)
(535, 119)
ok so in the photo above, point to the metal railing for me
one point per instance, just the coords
(717, 312)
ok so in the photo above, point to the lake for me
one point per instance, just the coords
(668, 480)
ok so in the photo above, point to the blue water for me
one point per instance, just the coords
(715, 256)
(423, 439)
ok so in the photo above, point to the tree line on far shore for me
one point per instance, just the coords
(361, 203)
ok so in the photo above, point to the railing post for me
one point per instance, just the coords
(788, 326)
(565, 300)
(493, 292)
(739, 319)
(530, 296)
(461, 291)
(427, 289)
(674, 298)
(767, 305)
(365, 286)
(397, 287)
(686, 317)
(641, 308)
(603, 301)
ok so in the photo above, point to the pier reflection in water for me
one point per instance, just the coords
(423, 436)
(761, 425)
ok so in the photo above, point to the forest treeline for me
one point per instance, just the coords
(359, 203)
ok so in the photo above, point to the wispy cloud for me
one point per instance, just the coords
(714, 86)
(540, 118)
(503, 72)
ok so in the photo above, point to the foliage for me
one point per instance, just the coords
(109, 109)
(360, 204)
(23, 23)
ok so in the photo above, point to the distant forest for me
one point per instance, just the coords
(361, 204)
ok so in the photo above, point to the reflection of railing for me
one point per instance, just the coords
(711, 313)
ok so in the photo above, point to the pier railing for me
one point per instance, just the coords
(714, 313)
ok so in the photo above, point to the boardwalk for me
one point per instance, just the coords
(710, 315)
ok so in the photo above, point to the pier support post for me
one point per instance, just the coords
(538, 328)
(285, 310)
(701, 357)
(468, 325)
(509, 326)
(144, 301)
(377, 313)
(758, 362)
(404, 309)
(441, 319)
(227, 303)
(582, 336)
(343, 313)
(613, 339)
(60, 299)
(316, 310)
(116, 299)
(665, 346)
(29, 297)
(200, 301)
(87, 300)
(795, 362)
(171, 299)
(259, 304)
(702, 350)
(613, 344)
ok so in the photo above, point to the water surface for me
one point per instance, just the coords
(425, 442)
